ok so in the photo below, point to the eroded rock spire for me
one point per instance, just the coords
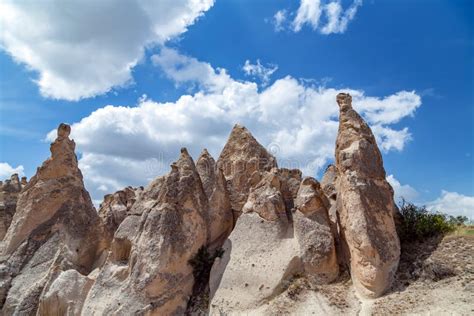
(365, 204)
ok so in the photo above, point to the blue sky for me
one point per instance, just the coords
(408, 63)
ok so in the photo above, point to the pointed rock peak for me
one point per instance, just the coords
(241, 145)
(184, 163)
(205, 155)
(345, 101)
(63, 146)
(206, 166)
(184, 157)
(328, 181)
(239, 131)
(24, 181)
(63, 131)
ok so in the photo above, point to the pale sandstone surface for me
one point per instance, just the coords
(55, 226)
(221, 220)
(314, 233)
(270, 244)
(116, 206)
(284, 237)
(328, 184)
(147, 270)
(243, 160)
(365, 204)
(66, 294)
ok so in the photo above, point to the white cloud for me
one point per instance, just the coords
(308, 12)
(6, 170)
(453, 203)
(85, 48)
(337, 20)
(402, 191)
(327, 17)
(259, 71)
(295, 119)
(183, 69)
(279, 20)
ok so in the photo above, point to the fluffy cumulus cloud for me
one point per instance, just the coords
(402, 191)
(84, 48)
(6, 170)
(296, 120)
(327, 17)
(453, 203)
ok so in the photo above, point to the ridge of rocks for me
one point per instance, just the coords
(133, 255)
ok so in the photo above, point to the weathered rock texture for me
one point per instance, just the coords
(271, 243)
(9, 191)
(115, 208)
(365, 204)
(55, 227)
(147, 270)
(221, 220)
(132, 257)
(243, 160)
(314, 233)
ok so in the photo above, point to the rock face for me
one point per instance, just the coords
(243, 160)
(221, 218)
(283, 242)
(9, 192)
(314, 233)
(147, 270)
(55, 226)
(365, 204)
(115, 208)
(148, 251)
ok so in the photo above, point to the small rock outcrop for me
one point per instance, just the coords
(9, 191)
(314, 233)
(365, 204)
(54, 227)
(115, 208)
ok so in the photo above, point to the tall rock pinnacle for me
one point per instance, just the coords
(364, 204)
(55, 227)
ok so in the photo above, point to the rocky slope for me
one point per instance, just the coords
(236, 236)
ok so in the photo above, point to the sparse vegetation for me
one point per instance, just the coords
(201, 263)
(203, 260)
(417, 223)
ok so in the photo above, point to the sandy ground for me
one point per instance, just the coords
(435, 277)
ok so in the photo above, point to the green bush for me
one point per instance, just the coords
(417, 223)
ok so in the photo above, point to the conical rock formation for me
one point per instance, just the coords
(55, 225)
(60, 257)
(147, 270)
(243, 161)
(365, 204)
(221, 218)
